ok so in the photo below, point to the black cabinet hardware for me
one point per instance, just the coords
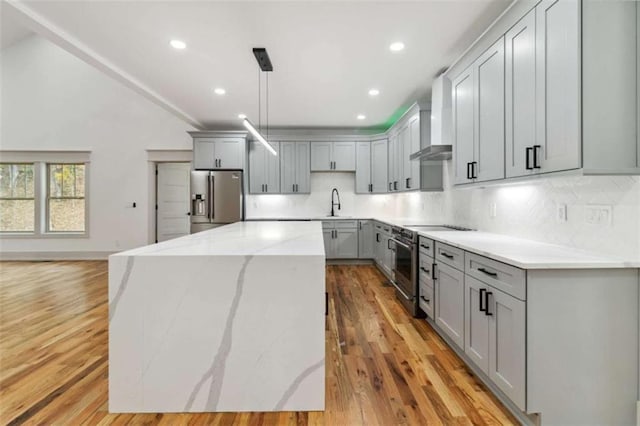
(486, 303)
(390, 187)
(424, 247)
(326, 303)
(491, 274)
(266, 187)
(377, 237)
(407, 183)
(370, 187)
(447, 255)
(529, 150)
(220, 162)
(424, 270)
(535, 156)
(473, 170)
(433, 271)
(388, 243)
(426, 300)
(395, 185)
(468, 170)
(480, 298)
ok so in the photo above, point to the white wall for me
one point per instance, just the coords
(53, 101)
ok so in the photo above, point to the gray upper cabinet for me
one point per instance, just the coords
(379, 171)
(294, 168)
(363, 168)
(558, 145)
(520, 94)
(463, 126)
(333, 156)
(488, 162)
(366, 239)
(264, 169)
(393, 169)
(412, 168)
(218, 153)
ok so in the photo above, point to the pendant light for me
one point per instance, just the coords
(265, 66)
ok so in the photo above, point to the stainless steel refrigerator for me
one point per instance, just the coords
(217, 198)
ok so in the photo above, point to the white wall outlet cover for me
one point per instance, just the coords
(598, 214)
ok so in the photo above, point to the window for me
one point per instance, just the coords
(65, 198)
(17, 200)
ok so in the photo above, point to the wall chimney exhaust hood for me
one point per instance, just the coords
(439, 145)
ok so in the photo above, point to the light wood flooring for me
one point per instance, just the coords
(383, 367)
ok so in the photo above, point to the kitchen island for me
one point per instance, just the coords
(230, 319)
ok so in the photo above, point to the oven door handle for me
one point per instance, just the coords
(401, 291)
(407, 246)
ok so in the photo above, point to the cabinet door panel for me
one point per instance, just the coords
(520, 94)
(476, 336)
(257, 168)
(363, 167)
(558, 85)
(329, 250)
(346, 243)
(402, 159)
(273, 169)
(320, 156)
(287, 167)
(413, 167)
(344, 156)
(366, 239)
(303, 173)
(450, 303)
(507, 345)
(392, 165)
(230, 153)
(489, 106)
(203, 154)
(379, 156)
(463, 126)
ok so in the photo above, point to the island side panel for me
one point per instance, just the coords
(126, 301)
(233, 333)
(582, 345)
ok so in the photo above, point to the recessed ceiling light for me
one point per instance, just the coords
(374, 92)
(178, 44)
(242, 116)
(397, 46)
(361, 117)
(219, 91)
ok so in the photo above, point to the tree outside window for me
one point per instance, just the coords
(66, 198)
(17, 202)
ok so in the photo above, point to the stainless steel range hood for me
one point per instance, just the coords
(438, 146)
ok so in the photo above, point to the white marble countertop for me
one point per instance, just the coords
(527, 254)
(262, 238)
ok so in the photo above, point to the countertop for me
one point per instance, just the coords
(258, 238)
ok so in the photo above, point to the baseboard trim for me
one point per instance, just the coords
(41, 256)
(349, 262)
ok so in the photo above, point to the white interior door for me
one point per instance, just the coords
(172, 218)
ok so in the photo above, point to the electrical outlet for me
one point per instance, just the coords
(561, 212)
(598, 214)
(493, 210)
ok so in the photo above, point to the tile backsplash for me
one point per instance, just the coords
(528, 210)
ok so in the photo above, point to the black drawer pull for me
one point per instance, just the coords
(491, 274)
(447, 255)
(426, 300)
(425, 270)
(425, 247)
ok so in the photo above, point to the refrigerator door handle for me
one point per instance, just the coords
(211, 202)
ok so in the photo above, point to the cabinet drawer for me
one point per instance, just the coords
(504, 277)
(425, 299)
(327, 224)
(425, 268)
(345, 224)
(450, 255)
(425, 245)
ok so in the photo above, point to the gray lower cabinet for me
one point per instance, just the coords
(295, 171)
(340, 239)
(449, 309)
(476, 339)
(366, 240)
(378, 244)
(383, 255)
(264, 169)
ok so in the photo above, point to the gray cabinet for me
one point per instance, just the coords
(366, 240)
(558, 145)
(520, 94)
(264, 169)
(382, 247)
(340, 239)
(379, 166)
(218, 153)
(378, 245)
(294, 168)
(363, 168)
(412, 168)
(463, 127)
(393, 166)
(333, 156)
(476, 339)
(449, 308)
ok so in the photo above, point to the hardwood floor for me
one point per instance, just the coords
(383, 367)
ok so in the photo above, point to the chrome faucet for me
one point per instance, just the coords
(335, 191)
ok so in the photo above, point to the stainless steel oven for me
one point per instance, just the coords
(405, 268)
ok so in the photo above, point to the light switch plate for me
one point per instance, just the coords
(561, 212)
(598, 214)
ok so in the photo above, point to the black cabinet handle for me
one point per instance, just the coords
(482, 292)
(529, 150)
(326, 303)
(425, 270)
(468, 170)
(447, 255)
(266, 187)
(395, 185)
(390, 187)
(424, 247)
(377, 237)
(535, 156)
(407, 183)
(486, 303)
(389, 242)
(426, 300)
(433, 271)
(220, 162)
(491, 274)
(473, 170)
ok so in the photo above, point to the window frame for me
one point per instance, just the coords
(34, 198)
(47, 199)
(40, 161)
